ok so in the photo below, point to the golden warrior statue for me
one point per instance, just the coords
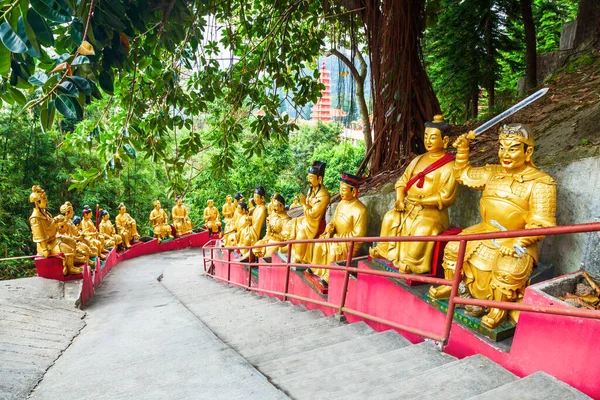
(181, 220)
(423, 194)
(276, 223)
(349, 220)
(160, 223)
(44, 232)
(314, 206)
(516, 195)
(83, 249)
(259, 214)
(211, 217)
(126, 226)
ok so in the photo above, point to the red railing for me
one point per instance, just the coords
(453, 301)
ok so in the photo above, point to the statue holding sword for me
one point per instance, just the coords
(516, 195)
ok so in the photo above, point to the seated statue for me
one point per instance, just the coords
(228, 210)
(349, 220)
(246, 235)
(271, 205)
(294, 204)
(44, 233)
(516, 195)
(181, 220)
(276, 222)
(108, 232)
(81, 256)
(423, 194)
(314, 206)
(232, 237)
(83, 248)
(212, 220)
(89, 231)
(126, 226)
(160, 223)
(259, 214)
(93, 244)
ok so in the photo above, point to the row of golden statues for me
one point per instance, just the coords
(515, 195)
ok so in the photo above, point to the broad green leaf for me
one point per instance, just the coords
(52, 10)
(47, 116)
(65, 106)
(79, 60)
(82, 84)
(17, 96)
(10, 39)
(112, 20)
(77, 30)
(106, 82)
(4, 60)
(41, 28)
(38, 79)
(68, 88)
(25, 30)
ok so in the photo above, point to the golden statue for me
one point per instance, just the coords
(229, 209)
(349, 221)
(516, 195)
(126, 226)
(211, 217)
(314, 205)
(84, 251)
(294, 204)
(160, 223)
(93, 244)
(62, 229)
(259, 214)
(246, 235)
(423, 194)
(276, 221)
(91, 233)
(181, 220)
(44, 232)
(271, 205)
(232, 238)
(108, 232)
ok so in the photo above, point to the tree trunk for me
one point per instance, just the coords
(530, 44)
(490, 59)
(403, 97)
(588, 15)
(359, 78)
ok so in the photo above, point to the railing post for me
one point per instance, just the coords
(250, 261)
(454, 291)
(340, 313)
(287, 271)
(228, 265)
(211, 266)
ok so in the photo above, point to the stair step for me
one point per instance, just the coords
(326, 357)
(455, 380)
(538, 386)
(364, 375)
(288, 346)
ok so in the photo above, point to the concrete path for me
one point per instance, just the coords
(140, 342)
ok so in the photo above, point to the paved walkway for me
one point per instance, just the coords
(141, 342)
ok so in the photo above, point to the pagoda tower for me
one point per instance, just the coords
(321, 111)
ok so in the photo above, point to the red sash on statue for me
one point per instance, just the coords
(419, 178)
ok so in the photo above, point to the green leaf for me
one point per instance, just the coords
(80, 60)
(106, 82)
(77, 30)
(38, 79)
(130, 151)
(41, 28)
(47, 116)
(68, 89)
(52, 10)
(112, 21)
(33, 47)
(4, 60)
(17, 96)
(82, 84)
(65, 106)
(10, 39)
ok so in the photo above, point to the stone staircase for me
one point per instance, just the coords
(310, 356)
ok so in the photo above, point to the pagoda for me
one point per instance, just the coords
(321, 111)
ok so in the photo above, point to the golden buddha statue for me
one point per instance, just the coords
(245, 235)
(108, 232)
(44, 233)
(63, 235)
(83, 248)
(259, 214)
(314, 206)
(349, 221)
(181, 220)
(89, 231)
(211, 217)
(252, 206)
(160, 223)
(423, 194)
(276, 222)
(516, 195)
(126, 226)
(228, 209)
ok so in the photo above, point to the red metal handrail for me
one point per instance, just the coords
(454, 299)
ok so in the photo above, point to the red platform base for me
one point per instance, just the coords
(52, 268)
